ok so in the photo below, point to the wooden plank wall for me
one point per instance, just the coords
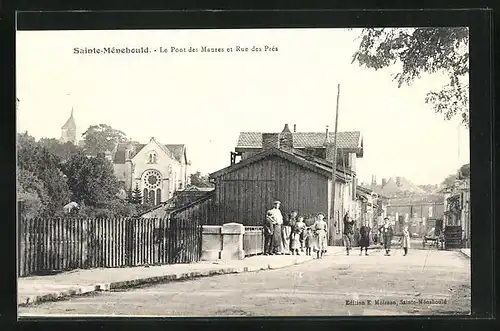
(243, 196)
(54, 245)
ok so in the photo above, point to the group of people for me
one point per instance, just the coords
(293, 236)
(385, 233)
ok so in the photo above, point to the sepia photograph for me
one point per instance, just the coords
(243, 172)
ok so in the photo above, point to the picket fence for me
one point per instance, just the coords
(54, 245)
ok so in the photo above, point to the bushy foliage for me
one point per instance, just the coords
(199, 180)
(91, 179)
(51, 174)
(423, 50)
(38, 165)
(102, 138)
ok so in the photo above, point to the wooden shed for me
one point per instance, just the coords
(245, 190)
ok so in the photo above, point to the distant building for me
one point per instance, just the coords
(158, 170)
(396, 187)
(68, 130)
(457, 204)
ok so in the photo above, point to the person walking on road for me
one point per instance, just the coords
(405, 240)
(268, 229)
(320, 228)
(277, 224)
(364, 238)
(387, 234)
(348, 232)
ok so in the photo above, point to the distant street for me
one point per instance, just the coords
(319, 287)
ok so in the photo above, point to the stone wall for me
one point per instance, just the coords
(223, 242)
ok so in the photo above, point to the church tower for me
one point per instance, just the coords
(68, 130)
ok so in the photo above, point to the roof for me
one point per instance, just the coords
(365, 190)
(121, 149)
(197, 189)
(176, 151)
(420, 200)
(70, 123)
(348, 139)
(302, 159)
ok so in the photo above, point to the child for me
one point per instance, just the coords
(297, 230)
(320, 228)
(308, 240)
(405, 240)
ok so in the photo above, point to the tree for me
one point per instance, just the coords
(198, 180)
(61, 150)
(31, 190)
(35, 161)
(423, 50)
(91, 179)
(449, 181)
(102, 138)
(136, 195)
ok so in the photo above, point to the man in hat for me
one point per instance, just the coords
(348, 232)
(277, 220)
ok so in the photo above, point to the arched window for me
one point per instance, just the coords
(152, 157)
(158, 196)
(145, 196)
(152, 197)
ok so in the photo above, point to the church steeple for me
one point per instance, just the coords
(70, 123)
(68, 130)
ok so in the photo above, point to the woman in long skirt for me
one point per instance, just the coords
(387, 234)
(285, 242)
(405, 240)
(364, 238)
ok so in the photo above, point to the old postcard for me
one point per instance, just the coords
(276, 172)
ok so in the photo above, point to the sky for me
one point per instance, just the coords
(205, 99)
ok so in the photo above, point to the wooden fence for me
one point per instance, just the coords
(253, 240)
(52, 245)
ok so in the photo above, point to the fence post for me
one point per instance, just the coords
(129, 241)
(232, 241)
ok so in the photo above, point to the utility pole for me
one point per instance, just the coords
(334, 171)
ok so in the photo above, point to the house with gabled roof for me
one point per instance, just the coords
(298, 176)
(157, 169)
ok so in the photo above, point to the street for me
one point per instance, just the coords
(425, 282)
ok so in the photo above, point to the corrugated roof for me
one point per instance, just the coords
(348, 139)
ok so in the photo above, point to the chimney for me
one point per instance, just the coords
(384, 181)
(398, 181)
(326, 135)
(295, 128)
(286, 138)
(374, 180)
(270, 140)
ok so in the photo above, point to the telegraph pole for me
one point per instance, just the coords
(334, 170)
